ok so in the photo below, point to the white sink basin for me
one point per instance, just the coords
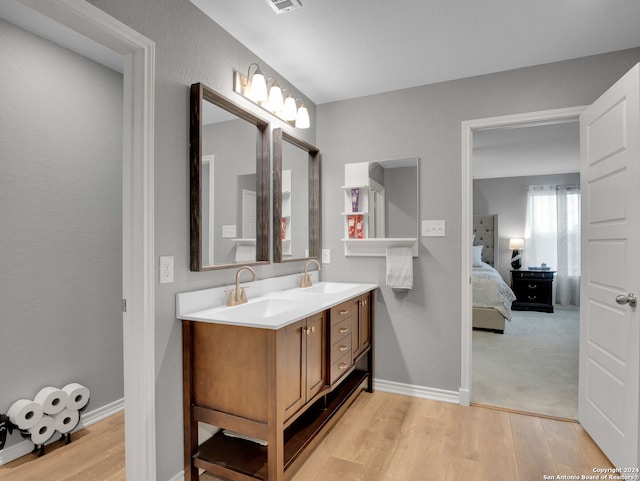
(261, 309)
(329, 288)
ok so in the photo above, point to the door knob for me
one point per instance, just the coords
(630, 299)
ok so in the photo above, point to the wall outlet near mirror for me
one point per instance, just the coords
(229, 231)
(166, 269)
(433, 228)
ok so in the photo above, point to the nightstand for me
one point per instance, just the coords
(533, 290)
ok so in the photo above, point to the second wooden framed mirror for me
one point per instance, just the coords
(296, 198)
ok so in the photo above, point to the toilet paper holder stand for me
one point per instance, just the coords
(7, 427)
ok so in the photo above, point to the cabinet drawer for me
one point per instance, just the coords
(341, 312)
(341, 347)
(341, 366)
(340, 329)
(532, 274)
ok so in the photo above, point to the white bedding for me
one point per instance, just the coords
(490, 290)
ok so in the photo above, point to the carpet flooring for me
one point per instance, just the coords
(532, 367)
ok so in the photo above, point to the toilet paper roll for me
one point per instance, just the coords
(41, 432)
(25, 413)
(53, 399)
(66, 420)
(78, 395)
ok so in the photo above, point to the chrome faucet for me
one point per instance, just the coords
(305, 280)
(238, 295)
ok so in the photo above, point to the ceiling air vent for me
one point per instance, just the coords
(282, 6)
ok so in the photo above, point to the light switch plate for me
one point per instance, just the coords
(166, 269)
(229, 231)
(433, 228)
(326, 256)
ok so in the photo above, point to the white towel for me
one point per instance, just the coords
(399, 267)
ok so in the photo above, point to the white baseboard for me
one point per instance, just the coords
(417, 391)
(22, 448)
(465, 397)
(178, 477)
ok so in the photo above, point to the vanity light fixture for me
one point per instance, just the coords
(302, 119)
(258, 84)
(276, 100)
(268, 94)
(290, 111)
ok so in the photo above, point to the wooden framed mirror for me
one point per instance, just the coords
(229, 172)
(296, 198)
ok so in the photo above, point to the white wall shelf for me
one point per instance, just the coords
(378, 247)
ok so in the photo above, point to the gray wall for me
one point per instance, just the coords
(418, 337)
(507, 197)
(60, 221)
(190, 48)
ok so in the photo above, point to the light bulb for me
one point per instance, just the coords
(258, 87)
(276, 102)
(302, 119)
(290, 111)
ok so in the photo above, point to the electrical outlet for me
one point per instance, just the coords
(326, 256)
(166, 269)
(433, 228)
(229, 231)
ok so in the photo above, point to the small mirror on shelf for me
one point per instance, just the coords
(296, 198)
(380, 206)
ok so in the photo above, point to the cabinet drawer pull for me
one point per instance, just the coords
(342, 366)
(342, 330)
(532, 286)
(344, 347)
(342, 313)
(532, 298)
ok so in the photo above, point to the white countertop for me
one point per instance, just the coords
(273, 309)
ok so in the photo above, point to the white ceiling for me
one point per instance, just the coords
(338, 49)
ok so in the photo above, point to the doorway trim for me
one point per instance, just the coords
(468, 127)
(137, 219)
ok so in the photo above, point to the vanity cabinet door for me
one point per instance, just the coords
(361, 324)
(364, 322)
(305, 370)
(316, 355)
(293, 376)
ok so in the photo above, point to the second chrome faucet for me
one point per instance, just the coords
(305, 280)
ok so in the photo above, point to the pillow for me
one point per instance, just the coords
(477, 256)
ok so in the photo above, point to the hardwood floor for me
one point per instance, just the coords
(383, 437)
(95, 453)
(389, 437)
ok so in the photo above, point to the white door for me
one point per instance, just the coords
(249, 214)
(610, 331)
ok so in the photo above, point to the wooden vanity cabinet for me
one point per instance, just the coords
(305, 366)
(274, 385)
(341, 353)
(362, 325)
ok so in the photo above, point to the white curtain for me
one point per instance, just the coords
(552, 236)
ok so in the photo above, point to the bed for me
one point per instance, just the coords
(492, 297)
